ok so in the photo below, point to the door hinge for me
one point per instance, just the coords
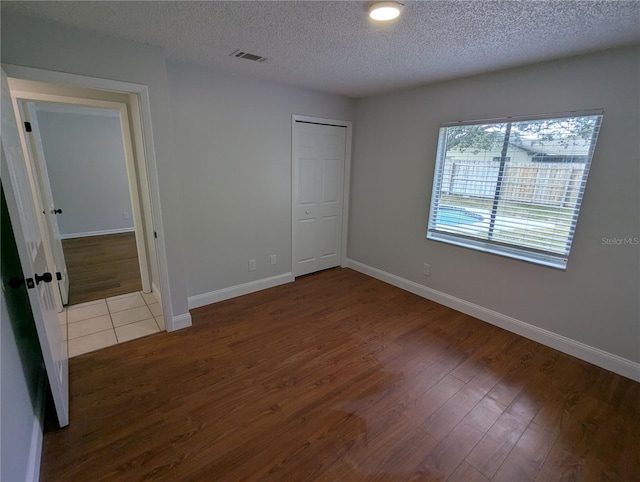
(58, 275)
(155, 235)
(27, 126)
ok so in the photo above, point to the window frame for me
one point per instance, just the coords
(514, 251)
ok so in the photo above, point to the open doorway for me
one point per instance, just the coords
(94, 196)
(86, 166)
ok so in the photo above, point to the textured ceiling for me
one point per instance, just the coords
(334, 47)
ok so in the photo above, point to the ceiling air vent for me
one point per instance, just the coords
(246, 55)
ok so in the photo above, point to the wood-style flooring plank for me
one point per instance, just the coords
(339, 376)
(101, 266)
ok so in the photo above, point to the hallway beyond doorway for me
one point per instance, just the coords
(101, 266)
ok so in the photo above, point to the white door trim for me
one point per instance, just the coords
(141, 92)
(346, 180)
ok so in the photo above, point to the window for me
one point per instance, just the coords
(513, 187)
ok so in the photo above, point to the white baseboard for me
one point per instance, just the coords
(179, 322)
(35, 448)
(601, 358)
(97, 233)
(238, 290)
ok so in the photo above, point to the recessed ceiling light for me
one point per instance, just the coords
(384, 11)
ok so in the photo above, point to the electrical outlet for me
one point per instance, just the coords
(125, 215)
(426, 270)
(252, 265)
(274, 260)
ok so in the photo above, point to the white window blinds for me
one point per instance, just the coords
(513, 186)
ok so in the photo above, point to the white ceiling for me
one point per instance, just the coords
(334, 47)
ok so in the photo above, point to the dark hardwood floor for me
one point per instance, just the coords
(340, 377)
(101, 266)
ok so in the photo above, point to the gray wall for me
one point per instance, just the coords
(87, 171)
(595, 301)
(227, 165)
(234, 139)
(225, 154)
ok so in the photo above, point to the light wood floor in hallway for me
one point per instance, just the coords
(101, 266)
(340, 377)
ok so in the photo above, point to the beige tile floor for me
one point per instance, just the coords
(102, 323)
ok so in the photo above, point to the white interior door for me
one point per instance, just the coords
(50, 211)
(18, 183)
(319, 156)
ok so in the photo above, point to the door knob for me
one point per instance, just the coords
(46, 277)
(306, 212)
(56, 211)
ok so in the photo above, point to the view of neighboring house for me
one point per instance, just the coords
(527, 150)
(515, 153)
